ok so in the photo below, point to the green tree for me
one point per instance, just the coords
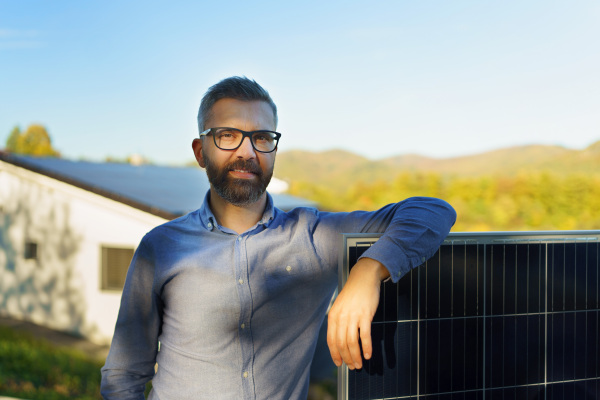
(35, 141)
(530, 200)
(12, 143)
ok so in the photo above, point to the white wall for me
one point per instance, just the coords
(62, 288)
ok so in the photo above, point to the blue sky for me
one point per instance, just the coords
(380, 78)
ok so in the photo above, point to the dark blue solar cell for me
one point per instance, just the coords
(459, 278)
(536, 278)
(474, 283)
(580, 270)
(593, 279)
(593, 276)
(521, 279)
(430, 355)
(582, 390)
(430, 288)
(446, 282)
(390, 293)
(592, 348)
(556, 276)
(495, 279)
(406, 291)
(510, 267)
(535, 349)
(473, 353)
(570, 276)
(580, 354)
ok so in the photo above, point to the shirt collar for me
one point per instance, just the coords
(268, 215)
(210, 222)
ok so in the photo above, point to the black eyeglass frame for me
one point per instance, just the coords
(245, 134)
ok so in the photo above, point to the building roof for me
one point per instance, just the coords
(167, 192)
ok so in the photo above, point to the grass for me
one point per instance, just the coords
(35, 369)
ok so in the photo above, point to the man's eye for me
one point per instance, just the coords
(262, 138)
(226, 135)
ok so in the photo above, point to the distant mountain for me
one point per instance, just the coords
(332, 167)
(335, 167)
(503, 161)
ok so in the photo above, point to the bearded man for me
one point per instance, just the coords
(236, 291)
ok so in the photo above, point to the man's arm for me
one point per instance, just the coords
(416, 229)
(130, 362)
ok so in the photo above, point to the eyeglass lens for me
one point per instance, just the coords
(229, 139)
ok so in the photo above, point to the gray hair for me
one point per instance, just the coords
(235, 87)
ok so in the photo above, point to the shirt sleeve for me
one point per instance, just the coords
(132, 356)
(412, 231)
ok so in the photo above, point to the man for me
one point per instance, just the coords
(236, 291)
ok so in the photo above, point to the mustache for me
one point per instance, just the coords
(246, 165)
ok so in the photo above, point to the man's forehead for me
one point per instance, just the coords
(257, 111)
(231, 103)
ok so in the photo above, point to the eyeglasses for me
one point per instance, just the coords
(232, 138)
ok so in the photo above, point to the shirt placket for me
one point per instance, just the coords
(244, 328)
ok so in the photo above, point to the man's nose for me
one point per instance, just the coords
(246, 151)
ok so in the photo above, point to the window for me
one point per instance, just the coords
(30, 252)
(115, 262)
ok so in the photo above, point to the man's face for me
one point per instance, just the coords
(238, 176)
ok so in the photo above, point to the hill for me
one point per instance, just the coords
(334, 167)
(519, 188)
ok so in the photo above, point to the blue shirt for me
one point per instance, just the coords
(237, 315)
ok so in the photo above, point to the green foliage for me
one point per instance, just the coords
(34, 369)
(35, 141)
(526, 201)
(12, 143)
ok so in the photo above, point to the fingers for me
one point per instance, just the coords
(338, 339)
(331, 341)
(353, 347)
(344, 344)
(365, 338)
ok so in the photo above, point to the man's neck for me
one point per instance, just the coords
(237, 218)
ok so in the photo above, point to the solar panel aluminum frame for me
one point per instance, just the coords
(354, 240)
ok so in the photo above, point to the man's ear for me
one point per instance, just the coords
(197, 146)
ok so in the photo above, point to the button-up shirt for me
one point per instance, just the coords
(237, 315)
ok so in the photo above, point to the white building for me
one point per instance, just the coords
(69, 229)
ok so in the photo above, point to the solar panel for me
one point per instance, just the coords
(490, 316)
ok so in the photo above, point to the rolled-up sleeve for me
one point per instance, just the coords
(412, 230)
(417, 229)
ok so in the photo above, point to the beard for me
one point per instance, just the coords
(239, 192)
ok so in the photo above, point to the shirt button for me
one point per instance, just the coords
(243, 326)
(239, 238)
(288, 268)
(241, 281)
(245, 374)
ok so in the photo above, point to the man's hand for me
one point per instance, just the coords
(352, 313)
